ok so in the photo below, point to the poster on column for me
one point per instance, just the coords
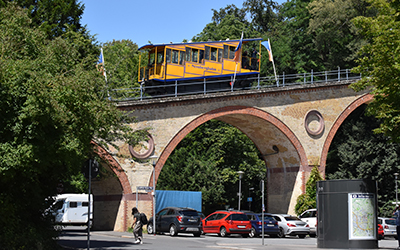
(362, 223)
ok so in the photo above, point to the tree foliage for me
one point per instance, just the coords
(308, 200)
(358, 153)
(208, 159)
(52, 16)
(53, 104)
(379, 65)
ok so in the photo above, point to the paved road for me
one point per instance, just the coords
(76, 238)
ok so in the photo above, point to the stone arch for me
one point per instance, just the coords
(115, 167)
(354, 105)
(229, 110)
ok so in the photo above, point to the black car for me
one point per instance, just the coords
(176, 220)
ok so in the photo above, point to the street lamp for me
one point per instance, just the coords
(240, 186)
(395, 176)
(153, 162)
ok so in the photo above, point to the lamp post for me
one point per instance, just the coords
(395, 176)
(153, 162)
(240, 186)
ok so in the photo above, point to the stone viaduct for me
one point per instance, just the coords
(300, 121)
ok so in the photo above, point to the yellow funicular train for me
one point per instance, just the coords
(183, 64)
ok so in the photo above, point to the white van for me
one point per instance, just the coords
(72, 209)
(310, 216)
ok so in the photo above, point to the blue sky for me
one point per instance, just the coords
(158, 21)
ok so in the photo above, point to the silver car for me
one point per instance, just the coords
(291, 225)
(389, 226)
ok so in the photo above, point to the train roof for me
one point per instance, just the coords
(149, 46)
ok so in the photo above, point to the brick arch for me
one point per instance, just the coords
(229, 111)
(114, 165)
(353, 106)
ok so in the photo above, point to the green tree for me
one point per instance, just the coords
(52, 16)
(53, 104)
(262, 13)
(292, 47)
(308, 200)
(121, 63)
(357, 153)
(208, 159)
(227, 23)
(378, 64)
(334, 35)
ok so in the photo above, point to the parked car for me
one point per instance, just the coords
(271, 227)
(176, 220)
(381, 233)
(291, 225)
(202, 216)
(310, 217)
(225, 223)
(389, 226)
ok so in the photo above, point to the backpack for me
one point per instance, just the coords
(143, 218)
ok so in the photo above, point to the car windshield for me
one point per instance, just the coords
(291, 218)
(239, 217)
(189, 213)
(266, 217)
(391, 222)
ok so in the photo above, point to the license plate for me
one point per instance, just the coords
(241, 226)
(192, 229)
(191, 220)
(270, 225)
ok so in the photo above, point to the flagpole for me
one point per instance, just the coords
(240, 58)
(273, 62)
(105, 72)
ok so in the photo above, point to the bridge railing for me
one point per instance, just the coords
(175, 89)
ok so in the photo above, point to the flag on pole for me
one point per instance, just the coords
(267, 45)
(238, 50)
(238, 53)
(101, 65)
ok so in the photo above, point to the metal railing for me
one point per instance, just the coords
(207, 86)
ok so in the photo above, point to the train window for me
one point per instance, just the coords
(214, 54)
(220, 55)
(226, 51)
(182, 58)
(195, 55)
(175, 56)
(201, 57)
(231, 52)
(188, 54)
(151, 58)
(207, 55)
(168, 56)
(160, 57)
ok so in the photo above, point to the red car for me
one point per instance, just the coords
(381, 232)
(227, 222)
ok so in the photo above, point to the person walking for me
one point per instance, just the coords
(397, 214)
(137, 226)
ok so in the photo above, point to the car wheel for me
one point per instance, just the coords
(245, 235)
(173, 231)
(222, 232)
(281, 234)
(253, 232)
(196, 234)
(150, 228)
(302, 236)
